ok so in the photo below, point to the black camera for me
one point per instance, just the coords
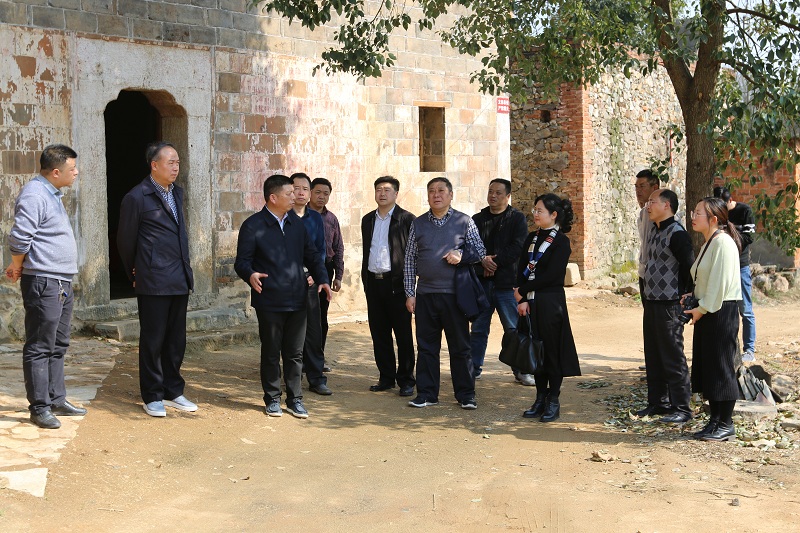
(690, 302)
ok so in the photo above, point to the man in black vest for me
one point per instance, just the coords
(436, 244)
(667, 265)
(154, 248)
(384, 234)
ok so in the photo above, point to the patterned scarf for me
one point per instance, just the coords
(535, 255)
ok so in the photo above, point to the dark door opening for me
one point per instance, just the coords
(131, 124)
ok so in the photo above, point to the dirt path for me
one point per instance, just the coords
(365, 461)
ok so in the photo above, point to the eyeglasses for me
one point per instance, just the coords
(651, 202)
(695, 214)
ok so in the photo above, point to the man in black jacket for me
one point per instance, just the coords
(273, 247)
(384, 234)
(154, 248)
(503, 230)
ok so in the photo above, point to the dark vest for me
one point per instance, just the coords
(661, 281)
(433, 242)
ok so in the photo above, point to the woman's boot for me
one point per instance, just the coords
(723, 432)
(537, 409)
(552, 409)
(710, 428)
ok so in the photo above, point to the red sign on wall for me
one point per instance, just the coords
(503, 106)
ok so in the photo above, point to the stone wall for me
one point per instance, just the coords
(236, 93)
(588, 146)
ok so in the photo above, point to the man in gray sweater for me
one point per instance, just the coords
(44, 257)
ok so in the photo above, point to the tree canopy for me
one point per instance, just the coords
(734, 66)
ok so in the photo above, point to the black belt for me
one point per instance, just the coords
(380, 275)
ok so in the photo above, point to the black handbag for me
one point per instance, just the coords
(522, 349)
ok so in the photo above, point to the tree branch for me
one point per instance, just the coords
(764, 16)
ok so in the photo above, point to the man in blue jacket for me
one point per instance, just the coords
(273, 247)
(154, 249)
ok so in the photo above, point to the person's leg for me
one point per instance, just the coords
(294, 334)
(43, 315)
(270, 332)
(669, 347)
(379, 314)
(58, 390)
(153, 317)
(652, 330)
(401, 325)
(174, 347)
(429, 345)
(481, 326)
(324, 305)
(746, 310)
(552, 407)
(456, 329)
(313, 358)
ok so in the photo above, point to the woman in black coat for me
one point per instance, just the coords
(542, 269)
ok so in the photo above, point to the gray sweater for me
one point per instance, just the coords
(42, 231)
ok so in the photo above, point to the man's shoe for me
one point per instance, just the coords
(419, 401)
(321, 389)
(181, 404)
(710, 427)
(526, 379)
(296, 408)
(469, 403)
(45, 420)
(155, 409)
(723, 432)
(651, 410)
(675, 418)
(67, 409)
(274, 408)
(378, 387)
(407, 391)
(552, 410)
(537, 409)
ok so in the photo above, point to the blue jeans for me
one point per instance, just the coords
(746, 311)
(502, 300)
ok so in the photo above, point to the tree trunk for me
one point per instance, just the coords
(700, 168)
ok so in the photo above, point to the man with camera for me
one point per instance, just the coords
(667, 263)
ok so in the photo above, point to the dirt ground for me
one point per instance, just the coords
(366, 461)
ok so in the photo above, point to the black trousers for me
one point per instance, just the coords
(282, 335)
(162, 345)
(667, 372)
(387, 313)
(313, 357)
(48, 311)
(324, 305)
(434, 313)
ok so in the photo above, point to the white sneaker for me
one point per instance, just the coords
(182, 404)
(155, 409)
(748, 357)
(526, 379)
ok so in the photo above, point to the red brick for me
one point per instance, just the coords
(276, 125)
(255, 124)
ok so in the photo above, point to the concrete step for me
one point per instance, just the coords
(204, 320)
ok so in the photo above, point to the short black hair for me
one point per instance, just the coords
(274, 183)
(321, 181)
(301, 175)
(650, 176)
(506, 183)
(723, 193)
(55, 155)
(391, 180)
(440, 179)
(154, 150)
(670, 196)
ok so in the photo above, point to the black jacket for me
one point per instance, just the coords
(399, 226)
(263, 247)
(504, 239)
(149, 240)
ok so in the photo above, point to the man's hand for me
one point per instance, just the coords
(255, 280)
(327, 288)
(411, 304)
(13, 272)
(337, 285)
(310, 281)
(453, 257)
(488, 263)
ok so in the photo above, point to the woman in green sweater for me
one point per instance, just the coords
(716, 317)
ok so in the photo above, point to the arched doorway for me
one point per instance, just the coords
(132, 121)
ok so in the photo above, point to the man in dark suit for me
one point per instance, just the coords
(384, 234)
(154, 248)
(273, 247)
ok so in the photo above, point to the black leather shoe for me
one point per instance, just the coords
(537, 409)
(67, 409)
(380, 387)
(45, 420)
(710, 427)
(651, 410)
(675, 418)
(321, 389)
(723, 432)
(404, 391)
(552, 410)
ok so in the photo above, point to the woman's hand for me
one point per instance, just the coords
(695, 313)
(523, 308)
(684, 296)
